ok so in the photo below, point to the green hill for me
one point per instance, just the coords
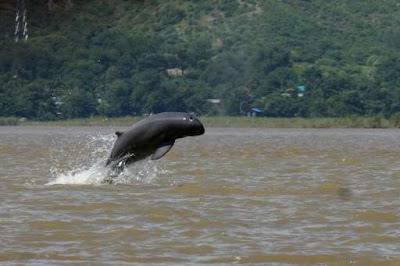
(118, 57)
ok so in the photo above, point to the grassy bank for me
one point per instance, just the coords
(9, 121)
(298, 122)
(239, 122)
(92, 121)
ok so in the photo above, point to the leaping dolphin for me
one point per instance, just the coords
(153, 136)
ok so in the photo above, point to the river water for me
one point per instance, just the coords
(312, 196)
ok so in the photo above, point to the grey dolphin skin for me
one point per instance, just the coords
(153, 136)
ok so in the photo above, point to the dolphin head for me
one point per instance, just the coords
(181, 124)
(192, 125)
(177, 124)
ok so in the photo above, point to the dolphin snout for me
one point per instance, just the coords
(199, 127)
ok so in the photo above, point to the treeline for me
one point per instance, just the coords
(117, 58)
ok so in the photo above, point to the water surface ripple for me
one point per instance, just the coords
(230, 196)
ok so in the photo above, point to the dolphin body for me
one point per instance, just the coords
(153, 136)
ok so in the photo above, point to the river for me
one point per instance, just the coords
(325, 196)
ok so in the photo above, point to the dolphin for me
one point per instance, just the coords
(153, 136)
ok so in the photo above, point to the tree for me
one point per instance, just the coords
(77, 102)
(115, 101)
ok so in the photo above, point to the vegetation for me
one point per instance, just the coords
(114, 58)
(236, 122)
(9, 121)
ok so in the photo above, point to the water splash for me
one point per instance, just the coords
(93, 175)
(87, 165)
(145, 171)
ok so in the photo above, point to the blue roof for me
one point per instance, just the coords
(301, 88)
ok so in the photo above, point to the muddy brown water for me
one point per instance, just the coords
(311, 196)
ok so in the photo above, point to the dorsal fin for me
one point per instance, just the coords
(119, 133)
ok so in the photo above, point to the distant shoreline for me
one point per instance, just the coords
(221, 121)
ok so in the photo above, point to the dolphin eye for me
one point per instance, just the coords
(191, 118)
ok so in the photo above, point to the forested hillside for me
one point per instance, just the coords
(115, 58)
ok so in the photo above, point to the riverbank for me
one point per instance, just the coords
(239, 122)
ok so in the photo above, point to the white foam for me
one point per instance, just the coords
(87, 167)
(94, 175)
(145, 171)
